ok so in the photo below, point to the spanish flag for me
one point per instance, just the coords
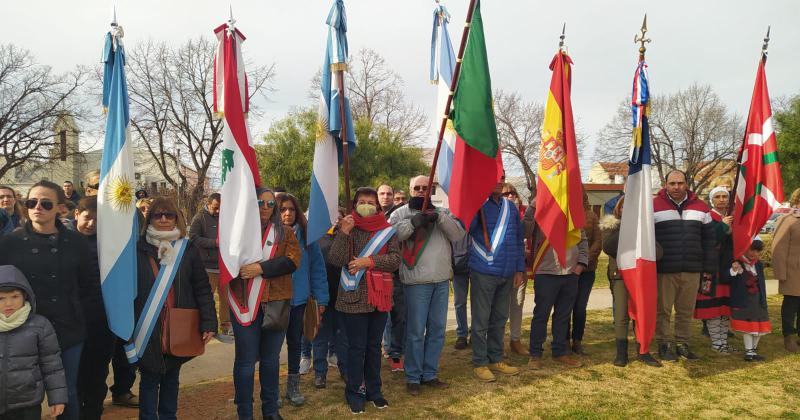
(559, 199)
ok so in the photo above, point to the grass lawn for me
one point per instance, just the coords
(715, 387)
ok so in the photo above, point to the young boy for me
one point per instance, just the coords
(24, 333)
(749, 313)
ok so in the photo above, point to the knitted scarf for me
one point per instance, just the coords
(8, 323)
(162, 240)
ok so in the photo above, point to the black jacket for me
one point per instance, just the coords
(30, 362)
(57, 267)
(686, 234)
(203, 232)
(192, 291)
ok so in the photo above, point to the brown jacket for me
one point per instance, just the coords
(277, 271)
(356, 301)
(786, 254)
(593, 237)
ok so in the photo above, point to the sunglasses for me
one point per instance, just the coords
(288, 209)
(169, 215)
(269, 203)
(509, 193)
(420, 188)
(32, 202)
(94, 186)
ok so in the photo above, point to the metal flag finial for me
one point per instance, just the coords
(114, 18)
(231, 21)
(765, 46)
(642, 39)
(561, 38)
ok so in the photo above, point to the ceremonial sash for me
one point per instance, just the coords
(498, 234)
(349, 281)
(255, 286)
(155, 303)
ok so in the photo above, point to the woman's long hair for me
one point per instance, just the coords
(299, 216)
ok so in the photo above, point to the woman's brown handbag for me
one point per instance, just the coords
(180, 327)
(311, 320)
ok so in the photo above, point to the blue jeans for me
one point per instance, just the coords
(364, 333)
(557, 294)
(331, 334)
(489, 305)
(426, 320)
(158, 394)
(460, 290)
(306, 347)
(578, 323)
(71, 359)
(256, 345)
(294, 338)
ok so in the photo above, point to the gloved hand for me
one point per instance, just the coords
(419, 220)
(432, 216)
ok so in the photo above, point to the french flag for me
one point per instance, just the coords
(636, 255)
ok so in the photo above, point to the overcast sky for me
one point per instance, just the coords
(716, 42)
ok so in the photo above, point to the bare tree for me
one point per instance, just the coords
(376, 94)
(691, 130)
(171, 94)
(32, 99)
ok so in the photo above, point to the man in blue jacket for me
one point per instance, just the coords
(493, 270)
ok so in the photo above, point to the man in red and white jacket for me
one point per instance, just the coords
(685, 233)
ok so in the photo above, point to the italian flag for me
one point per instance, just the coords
(477, 166)
(759, 190)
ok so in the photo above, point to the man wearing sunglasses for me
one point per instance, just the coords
(425, 275)
(56, 262)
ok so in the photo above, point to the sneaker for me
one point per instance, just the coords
(357, 408)
(396, 364)
(125, 400)
(436, 383)
(567, 361)
(412, 389)
(666, 354)
(723, 349)
(684, 352)
(535, 363)
(305, 365)
(461, 343)
(380, 403)
(333, 361)
(503, 368)
(518, 348)
(483, 373)
(320, 381)
(648, 359)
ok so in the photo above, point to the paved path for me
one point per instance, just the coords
(217, 362)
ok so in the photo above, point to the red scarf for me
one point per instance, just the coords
(372, 223)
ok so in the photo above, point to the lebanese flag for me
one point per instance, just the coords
(239, 237)
(759, 190)
(477, 165)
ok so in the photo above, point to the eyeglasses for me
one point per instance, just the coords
(94, 186)
(509, 193)
(269, 203)
(32, 202)
(288, 209)
(169, 215)
(420, 188)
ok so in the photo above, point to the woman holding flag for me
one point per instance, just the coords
(260, 340)
(368, 252)
(166, 260)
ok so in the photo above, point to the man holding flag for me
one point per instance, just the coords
(560, 248)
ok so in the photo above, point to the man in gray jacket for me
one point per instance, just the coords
(555, 289)
(425, 274)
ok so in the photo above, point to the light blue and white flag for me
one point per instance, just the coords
(324, 201)
(443, 64)
(117, 222)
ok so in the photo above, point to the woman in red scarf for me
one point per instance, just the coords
(364, 308)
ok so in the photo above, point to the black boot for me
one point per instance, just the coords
(683, 351)
(666, 354)
(648, 359)
(622, 353)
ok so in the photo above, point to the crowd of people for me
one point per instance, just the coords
(376, 286)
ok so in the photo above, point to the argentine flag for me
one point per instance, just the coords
(324, 200)
(443, 64)
(117, 222)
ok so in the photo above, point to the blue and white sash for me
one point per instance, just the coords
(349, 281)
(498, 234)
(155, 303)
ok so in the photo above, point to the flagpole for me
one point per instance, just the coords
(343, 136)
(732, 194)
(443, 125)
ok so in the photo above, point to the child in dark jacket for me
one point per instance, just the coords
(32, 363)
(749, 300)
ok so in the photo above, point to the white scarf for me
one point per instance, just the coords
(161, 239)
(8, 323)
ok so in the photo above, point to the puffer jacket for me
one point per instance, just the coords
(686, 234)
(310, 278)
(30, 359)
(510, 257)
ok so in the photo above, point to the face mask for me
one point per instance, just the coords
(365, 210)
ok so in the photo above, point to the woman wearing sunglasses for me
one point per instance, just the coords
(163, 249)
(55, 260)
(257, 341)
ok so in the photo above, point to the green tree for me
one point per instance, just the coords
(788, 132)
(287, 155)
